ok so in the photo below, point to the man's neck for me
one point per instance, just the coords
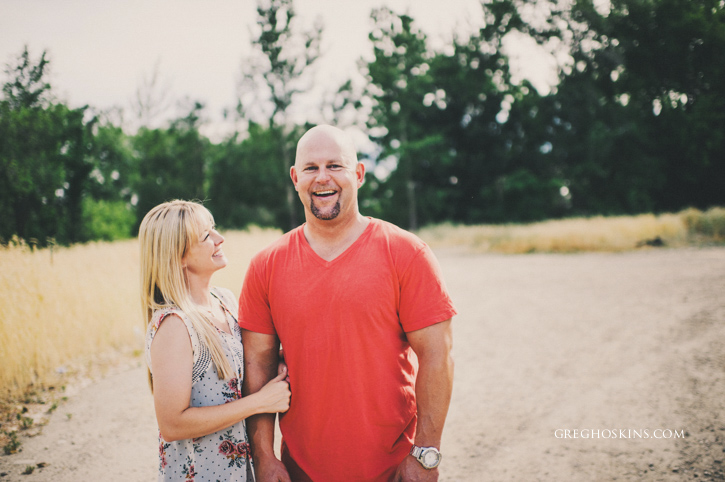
(329, 239)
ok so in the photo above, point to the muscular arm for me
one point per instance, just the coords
(433, 389)
(261, 357)
(172, 359)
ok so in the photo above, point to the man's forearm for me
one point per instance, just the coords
(260, 366)
(433, 389)
(434, 383)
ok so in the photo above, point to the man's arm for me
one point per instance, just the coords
(261, 357)
(433, 389)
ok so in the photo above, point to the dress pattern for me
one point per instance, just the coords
(223, 455)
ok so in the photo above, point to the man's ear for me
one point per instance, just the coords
(293, 176)
(360, 174)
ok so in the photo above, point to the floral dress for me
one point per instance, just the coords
(222, 455)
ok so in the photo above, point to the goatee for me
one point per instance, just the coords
(332, 214)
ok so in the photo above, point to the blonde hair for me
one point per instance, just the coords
(165, 234)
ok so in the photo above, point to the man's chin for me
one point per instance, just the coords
(327, 214)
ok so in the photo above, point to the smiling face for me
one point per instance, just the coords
(327, 175)
(204, 253)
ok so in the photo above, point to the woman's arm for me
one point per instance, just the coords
(172, 359)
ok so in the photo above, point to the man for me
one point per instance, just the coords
(365, 323)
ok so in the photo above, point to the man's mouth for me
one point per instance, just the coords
(325, 193)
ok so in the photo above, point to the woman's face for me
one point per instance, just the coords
(204, 255)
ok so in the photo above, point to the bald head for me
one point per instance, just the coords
(323, 136)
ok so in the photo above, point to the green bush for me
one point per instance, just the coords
(107, 220)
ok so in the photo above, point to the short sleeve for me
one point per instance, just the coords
(254, 310)
(153, 326)
(424, 300)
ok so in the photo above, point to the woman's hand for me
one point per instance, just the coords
(275, 395)
(282, 365)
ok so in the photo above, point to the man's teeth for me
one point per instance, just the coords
(324, 193)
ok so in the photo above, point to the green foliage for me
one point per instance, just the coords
(172, 163)
(44, 162)
(644, 105)
(460, 131)
(636, 124)
(247, 181)
(107, 220)
(273, 76)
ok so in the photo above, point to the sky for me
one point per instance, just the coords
(102, 51)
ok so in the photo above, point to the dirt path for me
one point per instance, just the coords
(618, 345)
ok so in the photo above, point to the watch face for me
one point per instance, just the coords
(430, 458)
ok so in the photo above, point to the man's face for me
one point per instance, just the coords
(327, 178)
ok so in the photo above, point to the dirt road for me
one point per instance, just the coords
(625, 352)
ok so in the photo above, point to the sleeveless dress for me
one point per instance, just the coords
(222, 455)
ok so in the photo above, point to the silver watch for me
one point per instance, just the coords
(429, 457)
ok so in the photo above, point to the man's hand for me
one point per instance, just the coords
(270, 470)
(410, 470)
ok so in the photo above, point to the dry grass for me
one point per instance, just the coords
(71, 304)
(599, 233)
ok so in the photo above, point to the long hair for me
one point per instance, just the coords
(165, 235)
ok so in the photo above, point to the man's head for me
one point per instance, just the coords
(326, 174)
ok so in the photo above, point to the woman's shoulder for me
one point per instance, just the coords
(159, 315)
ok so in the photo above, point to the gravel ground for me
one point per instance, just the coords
(627, 349)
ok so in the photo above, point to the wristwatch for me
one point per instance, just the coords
(429, 457)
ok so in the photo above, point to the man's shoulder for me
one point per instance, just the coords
(396, 236)
(279, 245)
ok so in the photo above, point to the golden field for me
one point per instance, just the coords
(70, 304)
(600, 233)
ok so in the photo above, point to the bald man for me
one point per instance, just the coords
(362, 313)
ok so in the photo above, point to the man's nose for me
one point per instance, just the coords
(323, 174)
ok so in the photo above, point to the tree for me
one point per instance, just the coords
(468, 144)
(272, 78)
(245, 189)
(172, 162)
(644, 105)
(398, 84)
(44, 158)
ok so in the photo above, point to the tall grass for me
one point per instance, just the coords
(617, 233)
(73, 303)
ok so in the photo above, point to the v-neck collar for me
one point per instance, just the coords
(353, 247)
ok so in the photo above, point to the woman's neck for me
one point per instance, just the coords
(200, 290)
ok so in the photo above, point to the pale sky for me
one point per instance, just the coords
(101, 51)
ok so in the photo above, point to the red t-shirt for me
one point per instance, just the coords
(342, 325)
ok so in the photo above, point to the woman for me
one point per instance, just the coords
(194, 350)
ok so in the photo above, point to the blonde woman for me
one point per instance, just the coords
(194, 350)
